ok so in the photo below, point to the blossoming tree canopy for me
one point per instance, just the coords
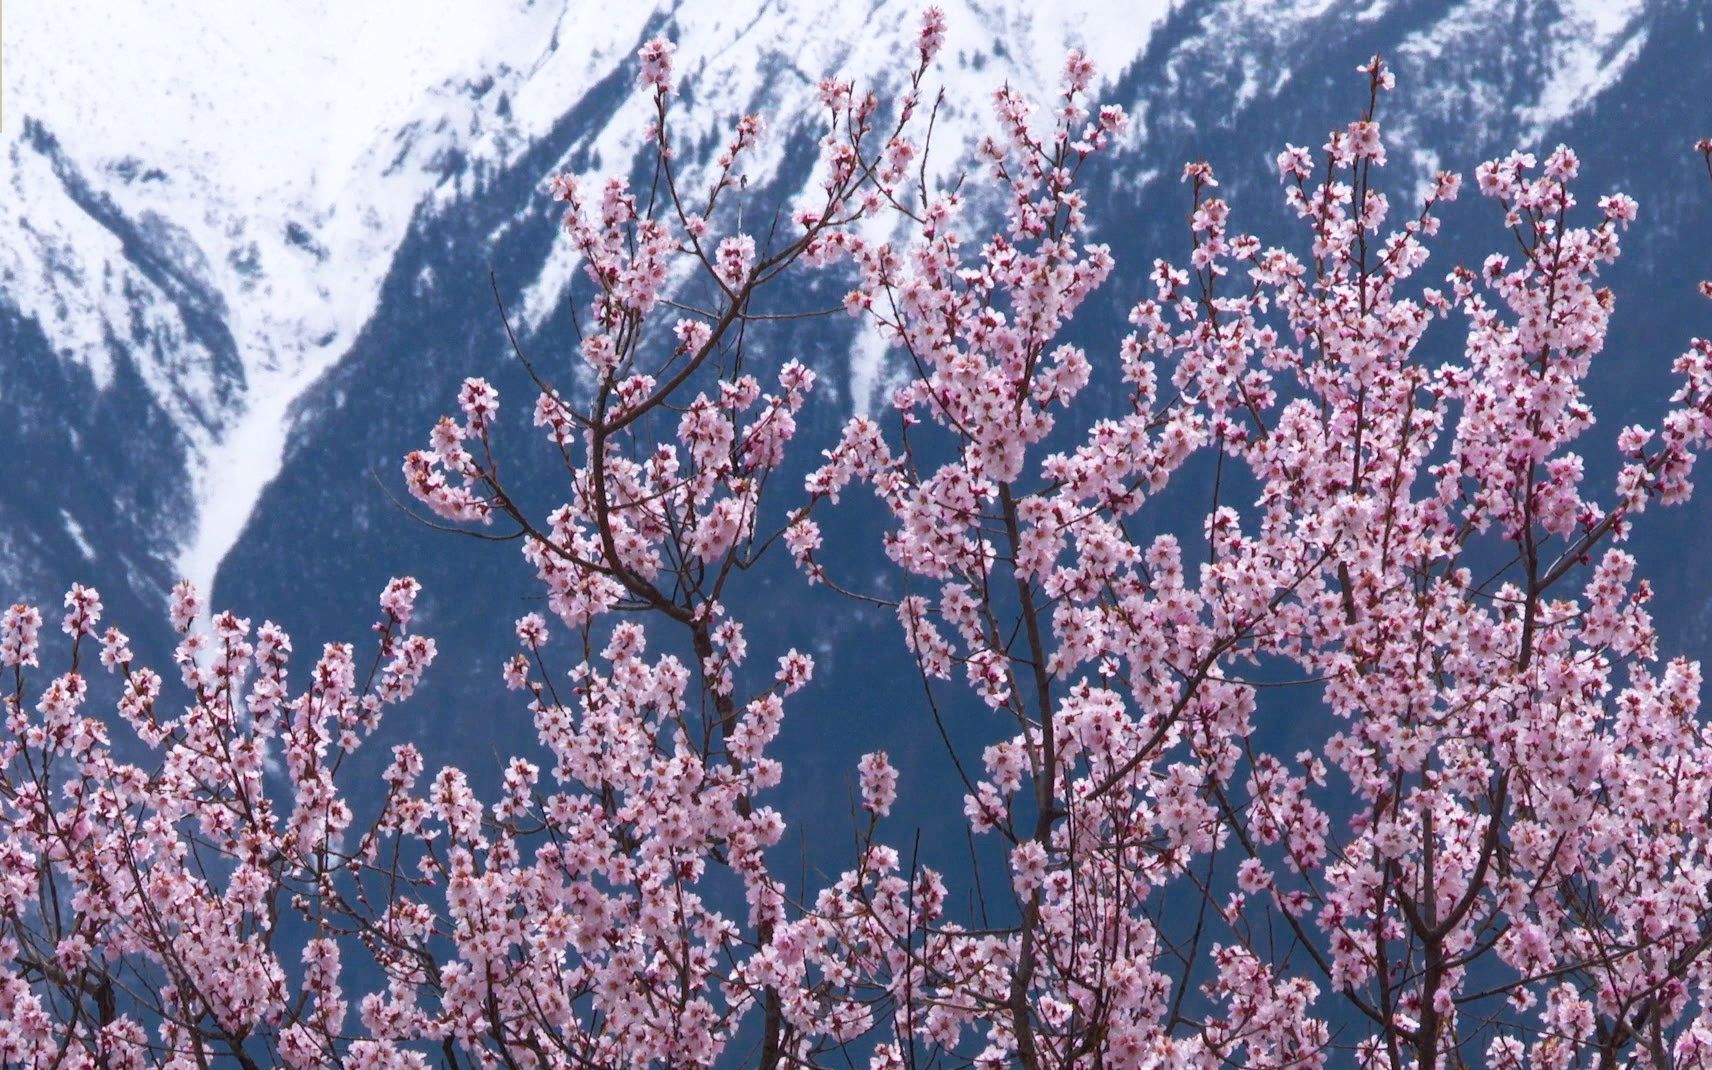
(1487, 843)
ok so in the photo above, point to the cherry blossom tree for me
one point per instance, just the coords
(1486, 841)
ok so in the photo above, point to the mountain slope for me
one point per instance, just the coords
(226, 227)
(245, 255)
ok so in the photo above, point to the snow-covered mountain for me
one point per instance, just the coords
(245, 249)
(215, 194)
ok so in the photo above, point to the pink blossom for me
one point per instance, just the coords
(18, 635)
(656, 57)
(932, 36)
(879, 783)
(1387, 721)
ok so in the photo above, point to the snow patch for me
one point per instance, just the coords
(1595, 44)
(75, 530)
(867, 371)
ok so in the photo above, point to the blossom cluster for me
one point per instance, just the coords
(1484, 837)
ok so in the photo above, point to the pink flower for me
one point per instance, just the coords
(185, 606)
(879, 783)
(656, 57)
(398, 601)
(18, 635)
(733, 259)
(932, 36)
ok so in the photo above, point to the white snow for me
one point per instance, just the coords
(75, 530)
(276, 154)
(1582, 54)
(1592, 46)
(283, 149)
(770, 57)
